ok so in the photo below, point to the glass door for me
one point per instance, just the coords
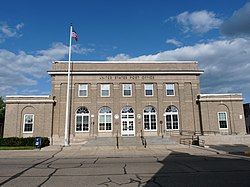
(127, 122)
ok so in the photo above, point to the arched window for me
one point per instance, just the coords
(171, 118)
(149, 118)
(82, 119)
(127, 109)
(105, 119)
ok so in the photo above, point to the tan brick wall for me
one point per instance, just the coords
(50, 112)
(17, 107)
(229, 103)
(186, 90)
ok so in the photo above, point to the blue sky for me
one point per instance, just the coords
(215, 33)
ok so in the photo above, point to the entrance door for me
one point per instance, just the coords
(127, 122)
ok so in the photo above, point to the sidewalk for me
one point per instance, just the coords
(80, 151)
(129, 151)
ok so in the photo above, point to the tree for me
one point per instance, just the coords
(2, 108)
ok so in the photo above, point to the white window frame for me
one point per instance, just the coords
(103, 89)
(146, 86)
(84, 114)
(150, 114)
(170, 89)
(33, 118)
(171, 114)
(124, 89)
(105, 114)
(218, 115)
(82, 89)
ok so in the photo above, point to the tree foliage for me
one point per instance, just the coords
(2, 108)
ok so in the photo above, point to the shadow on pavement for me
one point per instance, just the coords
(182, 169)
(236, 149)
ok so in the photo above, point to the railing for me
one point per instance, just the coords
(143, 140)
(186, 141)
(194, 140)
(117, 140)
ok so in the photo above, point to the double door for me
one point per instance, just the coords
(128, 125)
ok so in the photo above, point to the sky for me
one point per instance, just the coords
(215, 33)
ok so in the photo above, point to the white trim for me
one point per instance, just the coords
(219, 120)
(33, 117)
(87, 92)
(204, 95)
(167, 89)
(127, 132)
(25, 96)
(172, 121)
(150, 124)
(132, 61)
(220, 99)
(145, 93)
(191, 72)
(82, 115)
(105, 90)
(30, 101)
(105, 114)
(131, 90)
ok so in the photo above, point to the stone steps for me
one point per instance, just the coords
(128, 141)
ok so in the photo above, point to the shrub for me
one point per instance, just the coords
(30, 141)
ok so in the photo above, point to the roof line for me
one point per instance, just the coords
(130, 61)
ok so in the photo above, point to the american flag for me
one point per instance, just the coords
(74, 35)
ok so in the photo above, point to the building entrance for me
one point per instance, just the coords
(127, 122)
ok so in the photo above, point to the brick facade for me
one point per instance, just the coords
(155, 114)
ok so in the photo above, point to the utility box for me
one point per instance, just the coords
(38, 142)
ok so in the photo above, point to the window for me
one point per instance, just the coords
(105, 119)
(83, 90)
(149, 118)
(28, 123)
(148, 89)
(222, 118)
(170, 90)
(82, 119)
(127, 89)
(105, 90)
(171, 118)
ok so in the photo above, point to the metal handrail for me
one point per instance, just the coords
(192, 141)
(143, 140)
(117, 140)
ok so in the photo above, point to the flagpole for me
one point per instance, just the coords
(66, 137)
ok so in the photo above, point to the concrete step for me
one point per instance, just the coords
(158, 140)
(128, 141)
(101, 141)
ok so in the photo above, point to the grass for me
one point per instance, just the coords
(17, 147)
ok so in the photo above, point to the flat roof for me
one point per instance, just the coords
(26, 96)
(130, 61)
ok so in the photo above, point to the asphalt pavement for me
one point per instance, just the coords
(156, 165)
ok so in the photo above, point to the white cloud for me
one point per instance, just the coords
(119, 57)
(23, 69)
(79, 50)
(238, 24)
(7, 32)
(225, 62)
(174, 42)
(19, 26)
(198, 21)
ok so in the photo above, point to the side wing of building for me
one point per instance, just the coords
(27, 116)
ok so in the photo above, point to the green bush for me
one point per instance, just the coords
(30, 141)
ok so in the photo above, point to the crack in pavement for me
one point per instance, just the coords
(124, 169)
(27, 169)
